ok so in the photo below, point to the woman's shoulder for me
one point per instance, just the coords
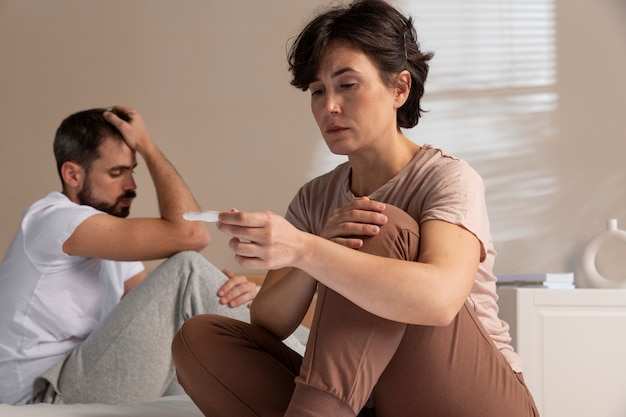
(438, 155)
(442, 163)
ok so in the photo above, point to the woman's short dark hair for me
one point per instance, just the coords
(79, 135)
(377, 29)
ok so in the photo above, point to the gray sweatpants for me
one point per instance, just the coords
(128, 357)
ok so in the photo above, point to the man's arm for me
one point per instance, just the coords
(136, 239)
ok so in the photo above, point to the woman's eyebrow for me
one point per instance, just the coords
(335, 74)
(342, 71)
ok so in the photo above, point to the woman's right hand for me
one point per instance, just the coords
(346, 224)
(262, 239)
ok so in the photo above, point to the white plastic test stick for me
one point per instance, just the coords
(202, 216)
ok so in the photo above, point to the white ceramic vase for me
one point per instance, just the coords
(601, 241)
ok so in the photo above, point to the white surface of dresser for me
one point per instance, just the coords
(573, 345)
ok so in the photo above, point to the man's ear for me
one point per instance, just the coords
(73, 175)
(403, 87)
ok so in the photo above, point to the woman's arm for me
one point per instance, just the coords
(430, 291)
(283, 301)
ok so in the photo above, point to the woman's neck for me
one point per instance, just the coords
(372, 172)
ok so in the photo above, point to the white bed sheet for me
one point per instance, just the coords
(172, 406)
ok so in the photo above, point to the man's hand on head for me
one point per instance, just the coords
(131, 125)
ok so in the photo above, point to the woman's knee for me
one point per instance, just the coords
(398, 238)
(202, 330)
(186, 336)
(194, 335)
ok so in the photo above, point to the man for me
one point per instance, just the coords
(71, 329)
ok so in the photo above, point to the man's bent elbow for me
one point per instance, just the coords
(199, 239)
(204, 241)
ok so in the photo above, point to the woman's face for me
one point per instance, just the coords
(353, 108)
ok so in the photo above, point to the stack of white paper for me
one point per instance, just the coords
(541, 280)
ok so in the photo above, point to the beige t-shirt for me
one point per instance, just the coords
(434, 185)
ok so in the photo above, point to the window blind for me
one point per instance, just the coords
(491, 99)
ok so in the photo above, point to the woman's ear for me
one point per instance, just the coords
(73, 175)
(402, 87)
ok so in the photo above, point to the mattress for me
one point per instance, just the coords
(173, 406)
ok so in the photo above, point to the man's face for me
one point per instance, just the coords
(109, 185)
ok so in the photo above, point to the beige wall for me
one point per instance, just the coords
(211, 81)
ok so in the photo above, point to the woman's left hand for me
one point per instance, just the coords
(237, 290)
(347, 225)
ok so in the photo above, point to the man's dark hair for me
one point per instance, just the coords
(79, 135)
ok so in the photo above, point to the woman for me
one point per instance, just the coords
(396, 242)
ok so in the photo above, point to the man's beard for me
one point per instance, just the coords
(85, 197)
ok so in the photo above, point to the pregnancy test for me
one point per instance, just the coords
(202, 216)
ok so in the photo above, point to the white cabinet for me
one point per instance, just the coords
(573, 344)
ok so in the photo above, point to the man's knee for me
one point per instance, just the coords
(187, 257)
(184, 266)
(193, 261)
(398, 238)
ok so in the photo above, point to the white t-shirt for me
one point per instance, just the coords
(50, 301)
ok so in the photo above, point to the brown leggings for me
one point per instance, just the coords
(355, 363)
